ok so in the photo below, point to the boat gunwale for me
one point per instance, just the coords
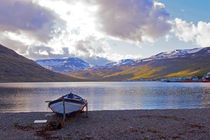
(66, 100)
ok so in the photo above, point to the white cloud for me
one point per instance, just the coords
(187, 32)
(159, 4)
(167, 37)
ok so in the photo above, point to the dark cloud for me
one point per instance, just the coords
(132, 19)
(24, 16)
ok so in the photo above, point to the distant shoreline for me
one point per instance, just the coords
(114, 124)
(110, 81)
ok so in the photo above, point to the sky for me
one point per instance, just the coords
(103, 29)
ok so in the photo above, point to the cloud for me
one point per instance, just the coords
(135, 20)
(44, 52)
(189, 32)
(13, 44)
(25, 17)
(64, 28)
(90, 47)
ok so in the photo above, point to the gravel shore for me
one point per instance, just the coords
(186, 124)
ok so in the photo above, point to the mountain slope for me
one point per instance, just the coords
(64, 65)
(189, 63)
(173, 54)
(16, 68)
(76, 64)
(122, 62)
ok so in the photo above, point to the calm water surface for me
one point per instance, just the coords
(31, 97)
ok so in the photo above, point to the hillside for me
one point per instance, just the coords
(64, 65)
(16, 68)
(179, 64)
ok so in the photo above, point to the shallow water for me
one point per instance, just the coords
(31, 97)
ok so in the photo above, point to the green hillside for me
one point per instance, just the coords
(189, 65)
(16, 68)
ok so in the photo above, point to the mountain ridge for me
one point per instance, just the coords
(188, 64)
(174, 64)
(64, 65)
(77, 64)
(16, 68)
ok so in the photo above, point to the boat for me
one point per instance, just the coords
(206, 79)
(173, 80)
(67, 104)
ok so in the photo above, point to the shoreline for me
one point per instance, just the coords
(111, 124)
(50, 111)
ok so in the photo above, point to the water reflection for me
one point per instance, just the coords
(25, 97)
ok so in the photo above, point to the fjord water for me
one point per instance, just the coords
(31, 97)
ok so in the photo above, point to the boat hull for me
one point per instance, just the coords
(70, 106)
(206, 80)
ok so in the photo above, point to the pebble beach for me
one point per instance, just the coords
(169, 124)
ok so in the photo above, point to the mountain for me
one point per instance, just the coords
(178, 63)
(64, 65)
(76, 64)
(96, 61)
(16, 68)
(121, 62)
(173, 54)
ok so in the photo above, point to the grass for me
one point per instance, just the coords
(183, 73)
(30, 124)
(15, 123)
(149, 130)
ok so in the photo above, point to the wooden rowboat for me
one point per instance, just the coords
(67, 104)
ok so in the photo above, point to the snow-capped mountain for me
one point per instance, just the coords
(64, 65)
(173, 54)
(75, 64)
(174, 64)
(121, 62)
(96, 61)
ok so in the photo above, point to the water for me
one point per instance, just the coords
(31, 97)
